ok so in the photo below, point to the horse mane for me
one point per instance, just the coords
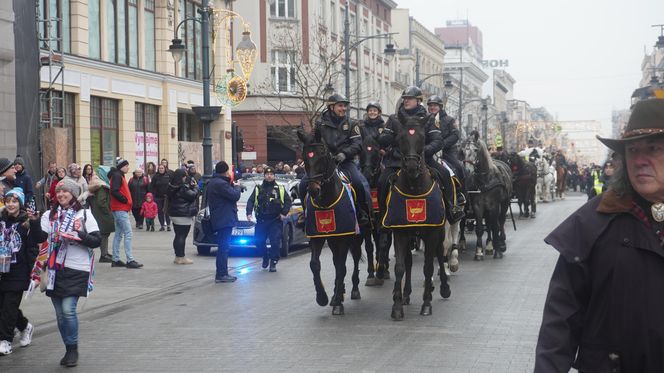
(484, 151)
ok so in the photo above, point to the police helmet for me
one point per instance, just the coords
(412, 92)
(435, 99)
(374, 104)
(337, 98)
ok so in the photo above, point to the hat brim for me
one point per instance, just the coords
(618, 145)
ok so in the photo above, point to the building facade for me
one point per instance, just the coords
(122, 93)
(7, 82)
(301, 61)
(580, 142)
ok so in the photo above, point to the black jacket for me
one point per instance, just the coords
(372, 128)
(388, 138)
(604, 309)
(18, 278)
(222, 197)
(24, 181)
(340, 135)
(138, 187)
(159, 184)
(448, 132)
(182, 200)
(269, 205)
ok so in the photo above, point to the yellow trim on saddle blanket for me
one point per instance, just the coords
(427, 196)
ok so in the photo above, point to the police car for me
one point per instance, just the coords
(242, 239)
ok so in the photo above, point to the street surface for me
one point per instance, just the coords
(168, 318)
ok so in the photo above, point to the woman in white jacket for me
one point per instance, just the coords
(72, 234)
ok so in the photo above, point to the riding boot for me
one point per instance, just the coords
(455, 212)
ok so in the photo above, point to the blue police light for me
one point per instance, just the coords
(242, 241)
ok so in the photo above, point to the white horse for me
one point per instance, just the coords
(451, 246)
(545, 179)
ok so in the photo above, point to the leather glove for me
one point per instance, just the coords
(340, 157)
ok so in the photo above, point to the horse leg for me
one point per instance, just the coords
(408, 270)
(462, 235)
(453, 258)
(384, 244)
(479, 232)
(314, 264)
(339, 248)
(369, 249)
(356, 252)
(431, 246)
(400, 247)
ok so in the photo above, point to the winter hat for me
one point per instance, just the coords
(5, 164)
(221, 167)
(120, 162)
(18, 193)
(72, 167)
(68, 185)
(268, 170)
(646, 120)
(19, 160)
(149, 195)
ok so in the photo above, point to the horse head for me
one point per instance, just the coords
(317, 162)
(370, 158)
(411, 139)
(515, 162)
(471, 152)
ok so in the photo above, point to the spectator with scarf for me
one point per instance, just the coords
(19, 233)
(138, 187)
(72, 234)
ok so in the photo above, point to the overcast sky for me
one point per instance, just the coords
(578, 58)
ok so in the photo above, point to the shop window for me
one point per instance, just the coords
(103, 131)
(147, 134)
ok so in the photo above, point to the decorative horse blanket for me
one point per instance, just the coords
(337, 219)
(407, 211)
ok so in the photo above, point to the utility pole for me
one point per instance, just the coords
(347, 54)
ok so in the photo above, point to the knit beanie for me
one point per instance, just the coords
(5, 164)
(18, 193)
(221, 167)
(120, 162)
(68, 185)
(19, 160)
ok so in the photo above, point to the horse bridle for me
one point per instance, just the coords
(321, 178)
(416, 157)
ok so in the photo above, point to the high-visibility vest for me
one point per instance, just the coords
(282, 192)
(597, 184)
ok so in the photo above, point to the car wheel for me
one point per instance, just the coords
(286, 240)
(203, 250)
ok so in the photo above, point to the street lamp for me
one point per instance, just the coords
(485, 110)
(236, 86)
(389, 50)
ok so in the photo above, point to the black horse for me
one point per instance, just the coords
(492, 179)
(323, 189)
(370, 165)
(525, 184)
(415, 180)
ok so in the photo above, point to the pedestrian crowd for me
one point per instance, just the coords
(53, 251)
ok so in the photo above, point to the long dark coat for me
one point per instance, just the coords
(222, 198)
(605, 308)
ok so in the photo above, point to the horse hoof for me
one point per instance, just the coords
(445, 290)
(448, 270)
(426, 310)
(406, 301)
(373, 281)
(454, 267)
(397, 313)
(355, 294)
(321, 299)
(338, 310)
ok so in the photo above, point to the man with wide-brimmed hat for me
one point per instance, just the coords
(605, 311)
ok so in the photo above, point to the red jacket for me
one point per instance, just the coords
(120, 194)
(149, 209)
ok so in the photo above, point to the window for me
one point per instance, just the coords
(189, 127)
(103, 131)
(147, 134)
(94, 30)
(282, 8)
(122, 32)
(283, 71)
(333, 12)
(68, 117)
(191, 65)
(149, 34)
(55, 10)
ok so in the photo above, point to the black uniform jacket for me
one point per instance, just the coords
(448, 132)
(388, 138)
(269, 202)
(371, 128)
(605, 306)
(339, 134)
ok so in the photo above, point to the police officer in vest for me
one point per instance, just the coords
(450, 135)
(271, 204)
(344, 141)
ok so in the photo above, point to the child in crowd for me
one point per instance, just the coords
(149, 212)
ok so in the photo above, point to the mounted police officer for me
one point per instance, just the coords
(450, 135)
(344, 141)
(373, 124)
(271, 204)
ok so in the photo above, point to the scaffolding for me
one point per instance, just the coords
(51, 62)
